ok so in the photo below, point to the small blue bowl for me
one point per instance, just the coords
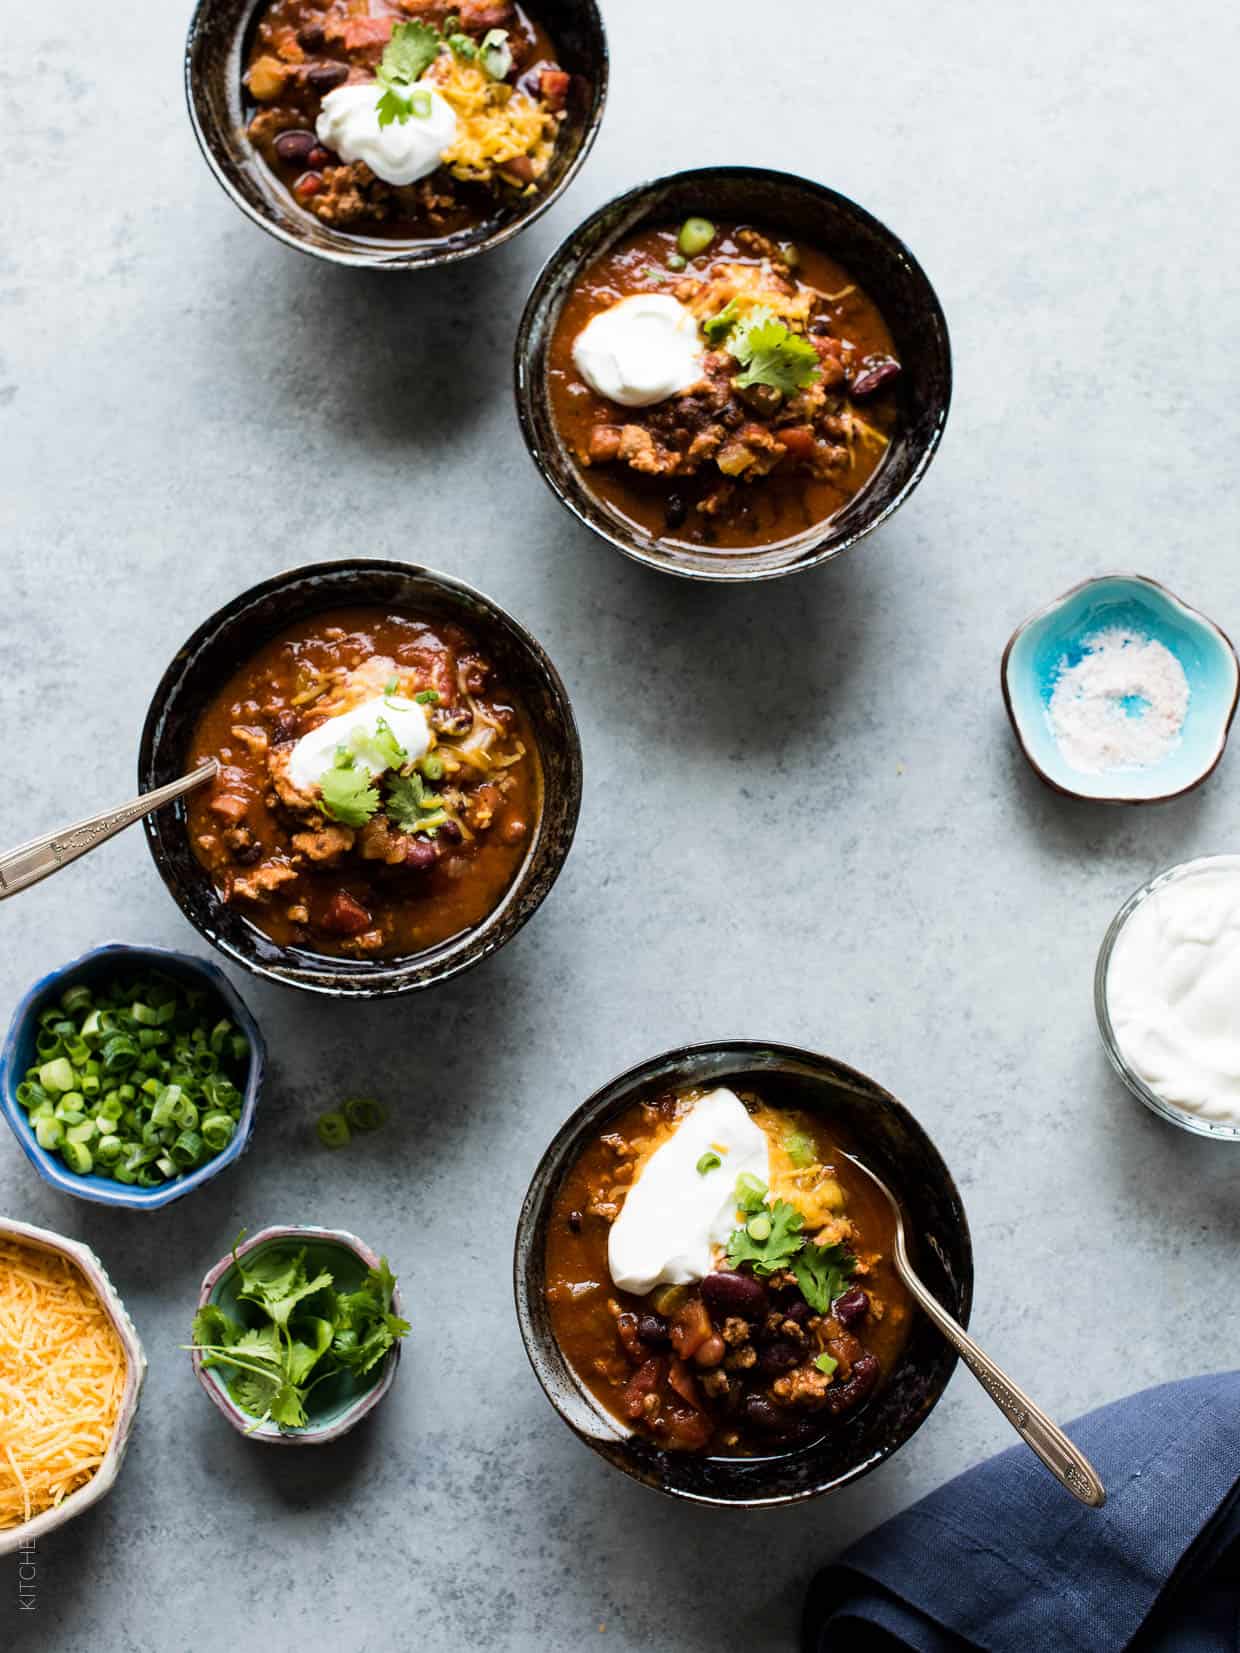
(1038, 648)
(17, 1054)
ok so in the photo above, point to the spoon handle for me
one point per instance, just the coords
(28, 863)
(1070, 1467)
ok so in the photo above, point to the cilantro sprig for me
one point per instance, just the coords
(406, 58)
(769, 352)
(347, 793)
(306, 1332)
(772, 1238)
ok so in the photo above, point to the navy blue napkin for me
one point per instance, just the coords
(1002, 1560)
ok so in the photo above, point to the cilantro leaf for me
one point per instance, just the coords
(392, 106)
(407, 797)
(347, 795)
(379, 751)
(774, 1245)
(772, 354)
(717, 328)
(212, 1326)
(408, 54)
(822, 1273)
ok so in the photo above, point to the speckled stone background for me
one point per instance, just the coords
(805, 817)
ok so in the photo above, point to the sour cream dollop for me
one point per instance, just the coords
(315, 753)
(640, 351)
(676, 1217)
(399, 153)
(1173, 987)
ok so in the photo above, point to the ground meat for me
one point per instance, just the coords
(288, 794)
(806, 1386)
(761, 246)
(639, 449)
(753, 451)
(259, 884)
(326, 844)
(379, 840)
(604, 444)
(349, 193)
(735, 1330)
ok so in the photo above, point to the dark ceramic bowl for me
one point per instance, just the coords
(890, 1139)
(231, 636)
(796, 208)
(215, 51)
(102, 964)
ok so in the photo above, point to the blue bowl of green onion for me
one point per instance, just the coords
(130, 1076)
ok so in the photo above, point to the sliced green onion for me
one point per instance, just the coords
(708, 1162)
(432, 766)
(750, 1190)
(696, 234)
(333, 1129)
(364, 1114)
(77, 1156)
(217, 1131)
(676, 261)
(49, 1133)
(109, 1150)
(495, 54)
(758, 1228)
(826, 1363)
(420, 104)
(427, 697)
(800, 1148)
(57, 1075)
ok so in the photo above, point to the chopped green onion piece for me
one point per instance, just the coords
(432, 766)
(333, 1129)
(77, 1157)
(427, 697)
(750, 1192)
(676, 261)
(758, 1228)
(708, 1162)
(696, 234)
(800, 1148)
(57, 1075)
(420, 104)
(49, 1133)
(495, 54)
(392, 685)
(826, 1364)
(364, 1114)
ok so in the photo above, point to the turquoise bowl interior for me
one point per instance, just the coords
(1034, 655)
(339, 1402)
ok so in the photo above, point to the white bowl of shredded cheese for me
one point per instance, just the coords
(71, 1370)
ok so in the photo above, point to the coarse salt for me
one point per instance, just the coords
(1121, 705)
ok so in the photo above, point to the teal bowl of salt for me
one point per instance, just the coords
(1120, 692)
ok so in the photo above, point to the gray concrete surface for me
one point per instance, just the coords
(805, 817)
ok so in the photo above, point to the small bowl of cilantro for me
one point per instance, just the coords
(298, 1334)
(130, 1076)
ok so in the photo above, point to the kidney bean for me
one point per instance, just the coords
(324, 77)
(652, 1329)
(797, 1310)
(345, 916)
(421, 855)
(310, 183)
(451, 832)
(780, 1356)
(873, 380)
(729, 1292)
(772, 1420)
(852, 1307)
(311, 37)
(712, 1351)
(842, 1397)
(295, 147)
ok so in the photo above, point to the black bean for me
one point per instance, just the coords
(451, 832)
(653, 1329)
(777, 1357)
(574, 1221)
(852, 1307)
(323, 77)
(312, 37)
(295, 147)
(797, 1310)
(675, 511)
(734, 1293)
(248, 854)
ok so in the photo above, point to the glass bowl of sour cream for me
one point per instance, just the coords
(1167, 995)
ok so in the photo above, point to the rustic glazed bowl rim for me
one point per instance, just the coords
(1186, 1121)
(537, 874)
(102, 1481)
(735, 567)
(1196, 617)
(49, 1165)
(403, 258)
(562, 1152)
(313, 1434)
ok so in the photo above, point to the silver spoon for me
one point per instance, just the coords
(28, 863)
(1070, 1467)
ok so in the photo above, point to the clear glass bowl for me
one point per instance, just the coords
(1156, 1104)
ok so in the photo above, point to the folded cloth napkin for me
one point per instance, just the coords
(1003, 1560)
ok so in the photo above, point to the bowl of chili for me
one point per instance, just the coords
(386, 870)
(260, 76)
(808, 410)
(836, 1103)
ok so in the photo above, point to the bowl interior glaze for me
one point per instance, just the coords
(890, 1139)
(795, 208)
(229, 637)
(215, 53)
(1032, 661)
(338, 1403)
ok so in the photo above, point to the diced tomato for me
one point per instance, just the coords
(686, 1430)
(345, 916)
(310, 183)
(680, 1378)
(799, 441)
(646, 1380)
(554, 83)
(367, 31)
(690, 1328)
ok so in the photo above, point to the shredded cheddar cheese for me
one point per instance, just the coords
(62, 1374)
(495, 123)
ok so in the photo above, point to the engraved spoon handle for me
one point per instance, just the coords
(28, 863)
(1070, 1467)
